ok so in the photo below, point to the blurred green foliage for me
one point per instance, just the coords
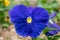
(3, 13)
(50, 6)
(58, 16)
(56, 37)
(25, 2)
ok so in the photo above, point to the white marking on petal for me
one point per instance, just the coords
(51, 21)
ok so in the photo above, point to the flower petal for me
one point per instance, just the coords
(53, 15)
(51, 24)
(51, 33)
(40, 14)
(18, 13)
(34, 35)
(38, 27)
(21, 29)
(30, 9)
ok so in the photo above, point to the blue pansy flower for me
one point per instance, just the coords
(28, 21)
(52, 24)
(51, 33)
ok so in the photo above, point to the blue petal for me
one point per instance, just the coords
(21, 29)
(30, 9)
(51, 33)
(18, 13)
(53, 25)
(33, 29)
(40, 14)
(53, 14)
(34, 35)
(37, 28)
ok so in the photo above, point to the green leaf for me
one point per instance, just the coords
(2, 9)
(44, 1)
(38, 38)
(56, 37)
(51, 11)
(1, 6)
(58, 16)
(48, 6)
(48, 29)
(49, 38)
(5, 25)
(25, 2)
(40, 4)
(2, 16)
(1, 3)
(34, 38)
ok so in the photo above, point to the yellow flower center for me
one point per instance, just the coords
(29, 20)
